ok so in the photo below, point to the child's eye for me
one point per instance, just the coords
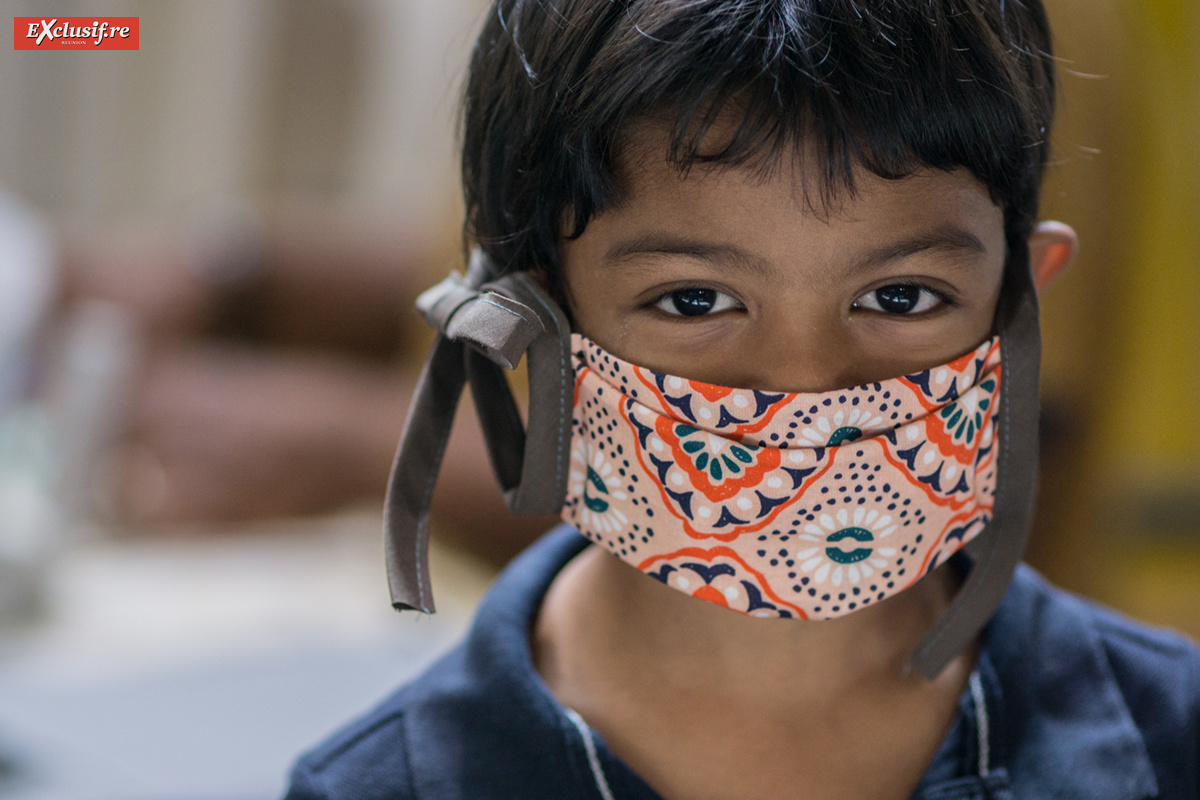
(900, 298)
(695, 302)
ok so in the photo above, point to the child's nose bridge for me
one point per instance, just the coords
(806, 356)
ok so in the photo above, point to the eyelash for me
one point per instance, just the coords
(661, 300)
(945, 300)
(666, 297)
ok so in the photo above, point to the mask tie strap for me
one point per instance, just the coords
(483, 325)
(998, 549)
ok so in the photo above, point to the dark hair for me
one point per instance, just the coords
(895, 85)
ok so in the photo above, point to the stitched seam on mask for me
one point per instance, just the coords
(562, 393)
(589, 747)
(981, 724)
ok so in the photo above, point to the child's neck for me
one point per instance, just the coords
(643, 618)
(633, 655)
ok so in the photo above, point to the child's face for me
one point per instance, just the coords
(731, 278)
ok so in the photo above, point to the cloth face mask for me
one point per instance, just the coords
(778, 504)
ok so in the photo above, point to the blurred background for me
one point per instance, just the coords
(209, 249)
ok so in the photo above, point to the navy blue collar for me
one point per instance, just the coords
(1059, 726)
(1062, 725)
(486, 701)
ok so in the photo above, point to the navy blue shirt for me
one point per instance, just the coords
(1068, 701)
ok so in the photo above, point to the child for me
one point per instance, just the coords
(773, 262)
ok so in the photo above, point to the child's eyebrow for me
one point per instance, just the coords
(946, 237)
(950, 238)
(669, 244)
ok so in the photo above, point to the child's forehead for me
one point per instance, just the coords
(797, 171)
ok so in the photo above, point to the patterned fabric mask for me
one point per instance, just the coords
(774, 504)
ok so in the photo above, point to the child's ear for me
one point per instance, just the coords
(1052, 248)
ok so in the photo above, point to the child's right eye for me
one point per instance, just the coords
(695, 302)
(902, 299)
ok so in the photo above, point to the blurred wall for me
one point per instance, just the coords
(348, 101)
(1119, 513)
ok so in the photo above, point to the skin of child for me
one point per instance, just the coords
(700, 701)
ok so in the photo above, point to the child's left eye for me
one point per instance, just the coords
(900, 298)
(695, 302)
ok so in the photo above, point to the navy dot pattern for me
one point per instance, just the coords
(779, 504)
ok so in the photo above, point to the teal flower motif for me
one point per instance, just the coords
(594, 481)
(839, 427)
(840, 556)
(845, 547)
(595, 492)
(967, 416)
(718, 457)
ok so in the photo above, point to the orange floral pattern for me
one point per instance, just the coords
(783, 504)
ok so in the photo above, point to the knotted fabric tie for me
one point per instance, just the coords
(484, 323)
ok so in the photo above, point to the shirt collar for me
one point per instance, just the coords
(1061, 726)
(528, 746)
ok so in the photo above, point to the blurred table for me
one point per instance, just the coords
(197, 664)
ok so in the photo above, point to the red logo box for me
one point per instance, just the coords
(75, 33)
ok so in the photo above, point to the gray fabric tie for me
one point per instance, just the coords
(484, 323)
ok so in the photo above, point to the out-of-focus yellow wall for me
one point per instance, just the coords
(1119, 516)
